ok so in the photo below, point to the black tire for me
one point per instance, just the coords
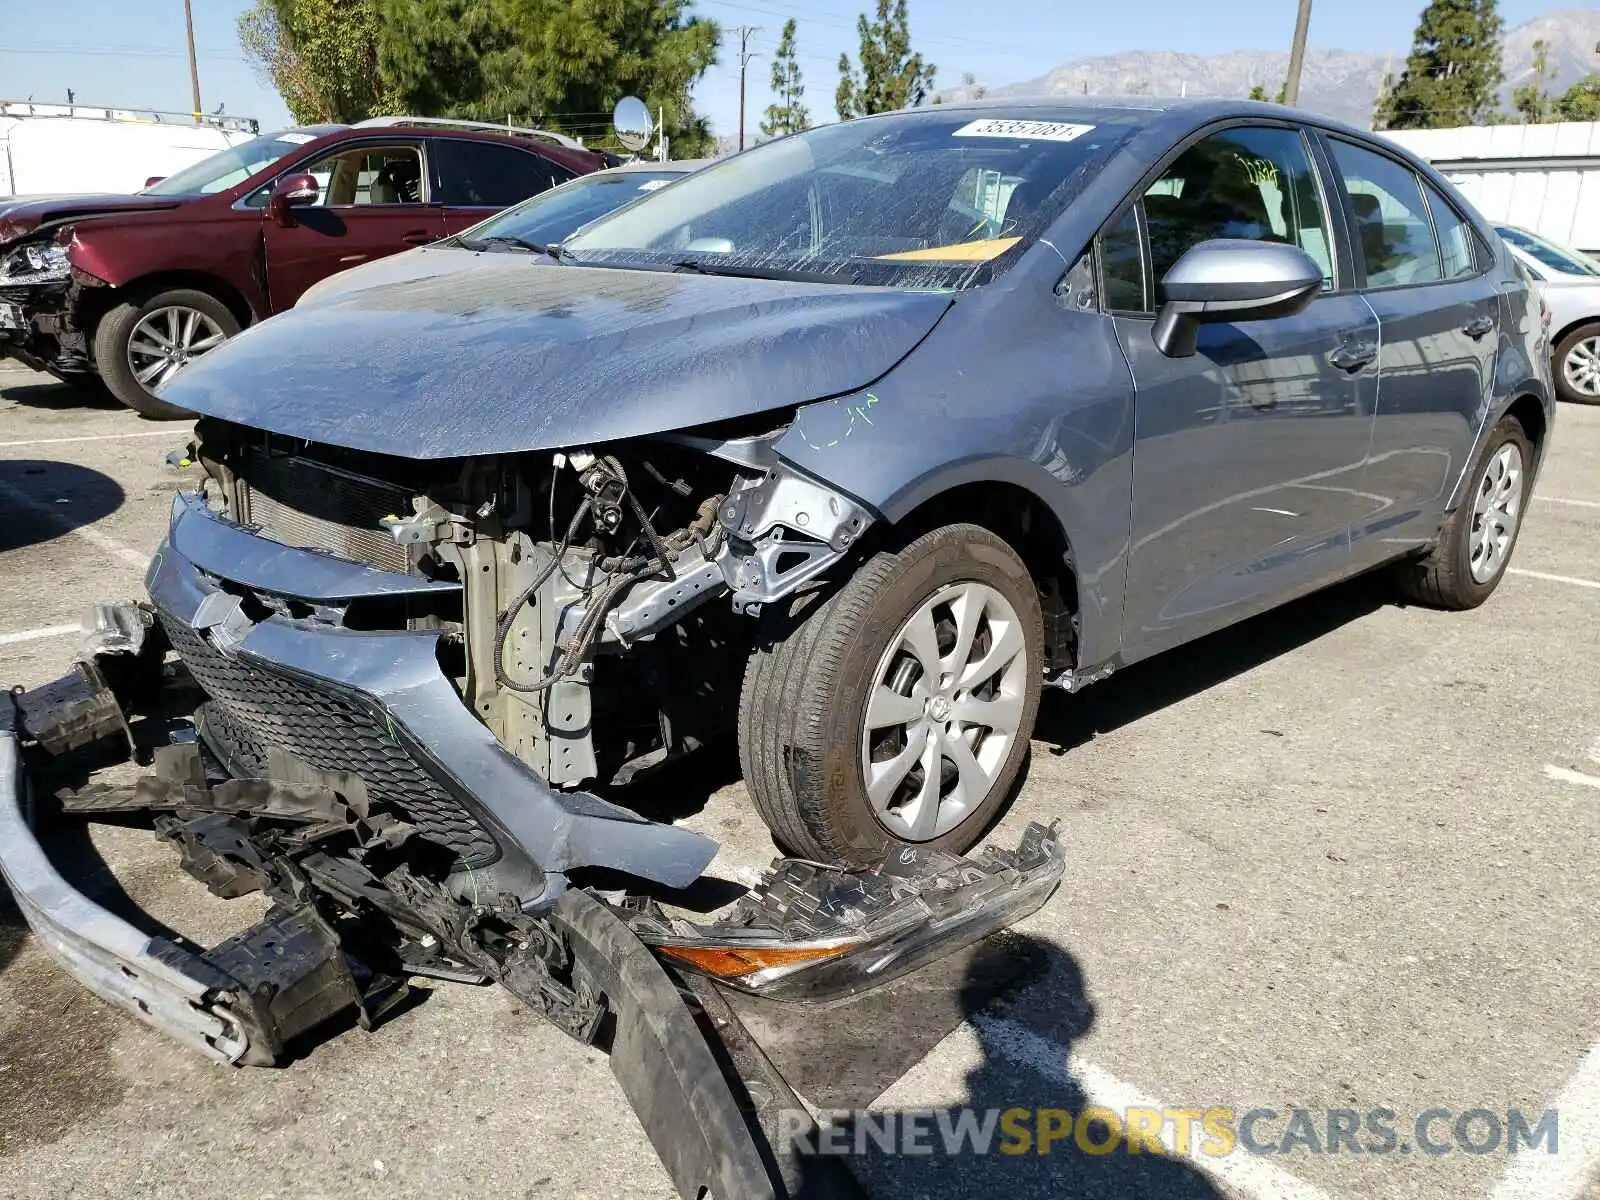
(1558, 361)
(117, 326)
(803, 705)
(1444, 578)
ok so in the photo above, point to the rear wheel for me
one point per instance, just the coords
(898, 710)
(1577, 365)
(1475, 545)
(141, 344)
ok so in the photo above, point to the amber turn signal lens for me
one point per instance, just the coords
(726, 962)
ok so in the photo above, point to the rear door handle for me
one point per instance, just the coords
(1353, 356)
(1478, 327)
(417, 237)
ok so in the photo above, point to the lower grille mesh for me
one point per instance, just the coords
(328, 730)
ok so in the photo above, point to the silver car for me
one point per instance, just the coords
(1569, 281)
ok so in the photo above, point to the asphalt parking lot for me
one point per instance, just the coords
(1342, 857)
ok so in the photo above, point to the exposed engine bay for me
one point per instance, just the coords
(581, 635)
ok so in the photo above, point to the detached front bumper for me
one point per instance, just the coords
(144, 976)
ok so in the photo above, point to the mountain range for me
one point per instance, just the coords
(1339, 83)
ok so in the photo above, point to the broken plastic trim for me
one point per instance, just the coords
(808, 931)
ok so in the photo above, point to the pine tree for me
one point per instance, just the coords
(1532, 100)
(890, 76)
(789, 115)
(1453, 74)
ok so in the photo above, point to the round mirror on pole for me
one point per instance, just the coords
(632, 123)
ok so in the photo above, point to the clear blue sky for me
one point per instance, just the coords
(130, 52)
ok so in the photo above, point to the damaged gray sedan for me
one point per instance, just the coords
(848, 447)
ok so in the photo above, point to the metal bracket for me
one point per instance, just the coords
(783, 531)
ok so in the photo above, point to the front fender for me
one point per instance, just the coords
(1027, 395)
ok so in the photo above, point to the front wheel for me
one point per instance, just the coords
(899, 709)
(142, 343)
(1476, 542)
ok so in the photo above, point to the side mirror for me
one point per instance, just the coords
(1231, 279)
(153, 180)
(292, 191)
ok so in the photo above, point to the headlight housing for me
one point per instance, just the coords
(34, 262)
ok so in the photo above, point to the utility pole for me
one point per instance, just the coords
(1297, 54)
(745, 55)
(194, 69)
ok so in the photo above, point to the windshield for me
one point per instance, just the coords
(554, 215)
(1557, 258)
(234, 165)
(918, 199)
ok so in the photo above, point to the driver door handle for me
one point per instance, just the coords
(1353, 356)
(1478, 327)
(417, 237)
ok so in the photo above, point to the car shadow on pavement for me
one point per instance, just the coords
(1024, 1081)
(41, 500)
(58, 395)
(13, 930)
(1069, 720)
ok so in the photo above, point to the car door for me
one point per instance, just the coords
(476, 179)
(1248, 456)
(1424, 272)
(374, 202)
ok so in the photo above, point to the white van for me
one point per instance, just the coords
(59, 149)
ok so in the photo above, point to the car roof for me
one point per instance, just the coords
(1148, 110)
(577, 159)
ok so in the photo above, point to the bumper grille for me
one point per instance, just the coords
(301, 502)
(328, 729)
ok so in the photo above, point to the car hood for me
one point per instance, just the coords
(21, 215)
(499, 353)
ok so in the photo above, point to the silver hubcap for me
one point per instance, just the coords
(1582, 367)
(165, 340)
(946, 703)
(1495, 513)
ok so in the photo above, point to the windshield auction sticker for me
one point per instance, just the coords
(1039, 131)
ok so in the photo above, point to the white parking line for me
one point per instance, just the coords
(1573, 580)
(38, 635)
(1246, 1175)
(93, 437)
(1564, 1175)
(1574, 503)
(87, 533)
(1569, 776)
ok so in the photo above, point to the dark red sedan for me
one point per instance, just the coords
(130, 288)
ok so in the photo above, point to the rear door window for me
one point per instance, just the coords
(489, 175)
(1393, 232)
(1458, 245)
